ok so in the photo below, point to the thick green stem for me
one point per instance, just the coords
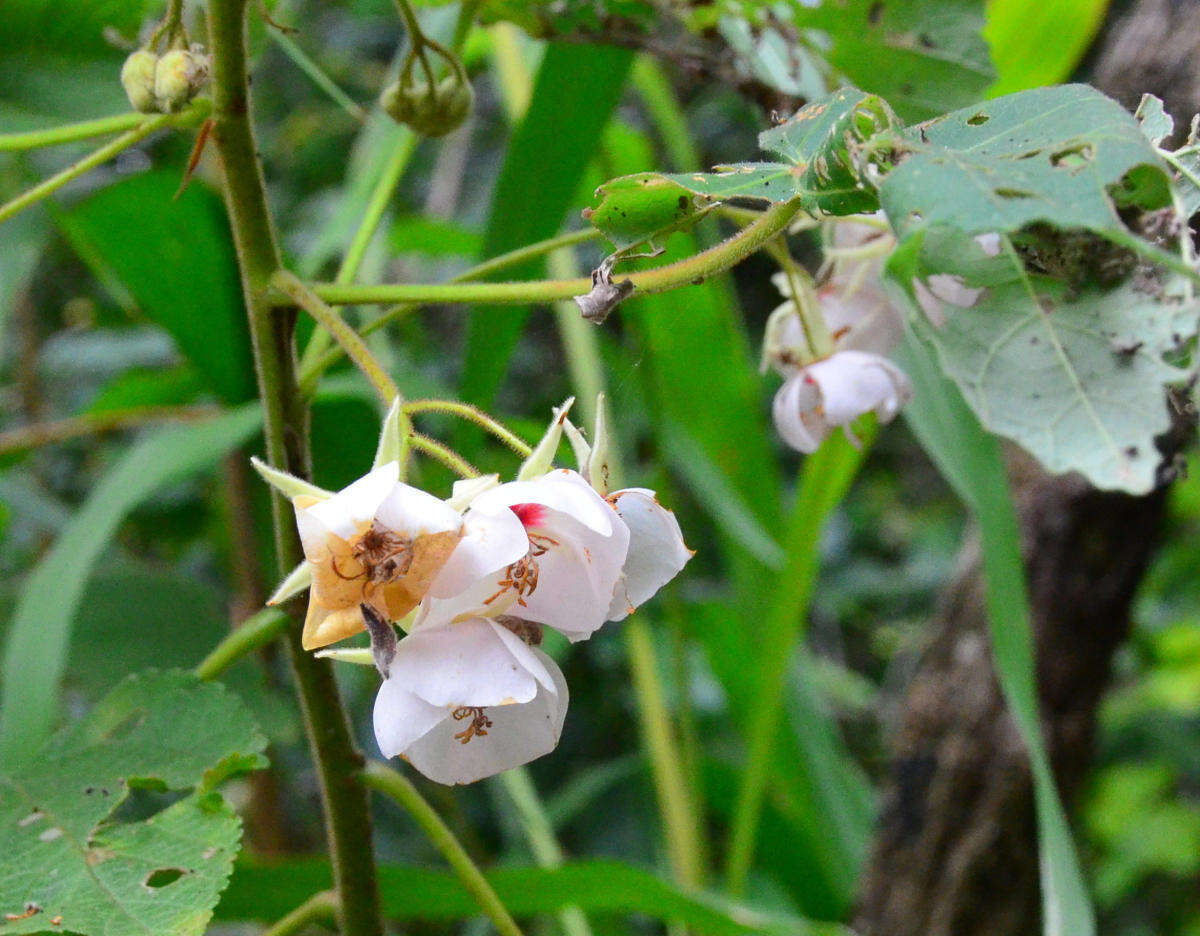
(694, 269)
(347, 815)
(399, 788)
(255, 632)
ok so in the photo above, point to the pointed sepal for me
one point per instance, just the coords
(579, 445)
(598, 470)
(394, 436)
(298, 580)
(541, 459)
(360, 655)
(288, 485)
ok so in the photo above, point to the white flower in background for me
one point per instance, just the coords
(378, 542)
(834, 392)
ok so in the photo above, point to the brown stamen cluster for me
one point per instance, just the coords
(522, 575)
(480, 723)
(385, 556)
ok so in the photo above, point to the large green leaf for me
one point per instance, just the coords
(36, 647)
(1065, 156)
(970, 461)
(1076, 375)
(62, 850)
(575, 92)
(419, 894)
(175, 258)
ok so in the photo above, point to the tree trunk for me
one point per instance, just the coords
(956, 848)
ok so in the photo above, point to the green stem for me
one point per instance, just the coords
(674, 800)
(313, 366)
(542, 841)
(471, 414)
(53, 136)
(318, 908)
(255, 632)
(451, 459)
(825, 478)
(681, 273)
(102, 155)
(400, 790)
(316, 74)
(337, 762)
(346, 337)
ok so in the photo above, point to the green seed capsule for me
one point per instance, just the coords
(137, 77)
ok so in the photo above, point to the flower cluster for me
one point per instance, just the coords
(823, 392)
(476, 579)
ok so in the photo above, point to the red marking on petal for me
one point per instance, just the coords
(530, 515)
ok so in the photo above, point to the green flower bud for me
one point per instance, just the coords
(179, 75)
(431, 114)
(137, 77)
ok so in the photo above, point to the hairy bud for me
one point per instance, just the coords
(179, 75)
(431, 112)
(137, 77)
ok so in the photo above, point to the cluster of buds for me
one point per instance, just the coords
(475, 580)
(164, 84)
(829, 387)
(430, 107)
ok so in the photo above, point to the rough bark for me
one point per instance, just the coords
(955, 852)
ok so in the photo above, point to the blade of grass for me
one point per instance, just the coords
(971, 462)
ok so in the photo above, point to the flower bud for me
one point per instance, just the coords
(137, 77)
(431, 113)
(179, 75)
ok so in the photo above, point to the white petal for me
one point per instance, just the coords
(861, 320)
(577, 575)
(562, 490)
(518, 734)
(461, 663)
(954, 290)
(490, 542)
(402, 717)
(526, 655)
(411, 512)
(349, 508)
(797, 417)
(656, 549)
(855, 382)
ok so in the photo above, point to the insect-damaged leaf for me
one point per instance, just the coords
(68, 864)
(1066, 156)
(636, 209)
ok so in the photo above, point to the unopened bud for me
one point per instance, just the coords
(179, 75)
(137, 77)
(429, 112)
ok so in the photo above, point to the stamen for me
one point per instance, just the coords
(480, 723)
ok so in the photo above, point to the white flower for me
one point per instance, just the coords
(467, 698)
(378, 542)
(550, 551)
(656, 549)
(834, 392)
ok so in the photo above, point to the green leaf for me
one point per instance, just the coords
(433, 237)
(418, 894)
(1076, 375)
(74, 27)
(759, 181)
(574, 94)
(970, 461)
(1064, 156)
(175, 258)
(39, 633)
(1039, 42)
(63, 851)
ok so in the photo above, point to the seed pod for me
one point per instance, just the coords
(179, 75)
(137, 77)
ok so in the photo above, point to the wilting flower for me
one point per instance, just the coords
(834, 392)
(467, 698)
(378, 542)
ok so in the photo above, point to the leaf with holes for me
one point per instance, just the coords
(1066, 156)
(66, 862)
(1076, 375)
